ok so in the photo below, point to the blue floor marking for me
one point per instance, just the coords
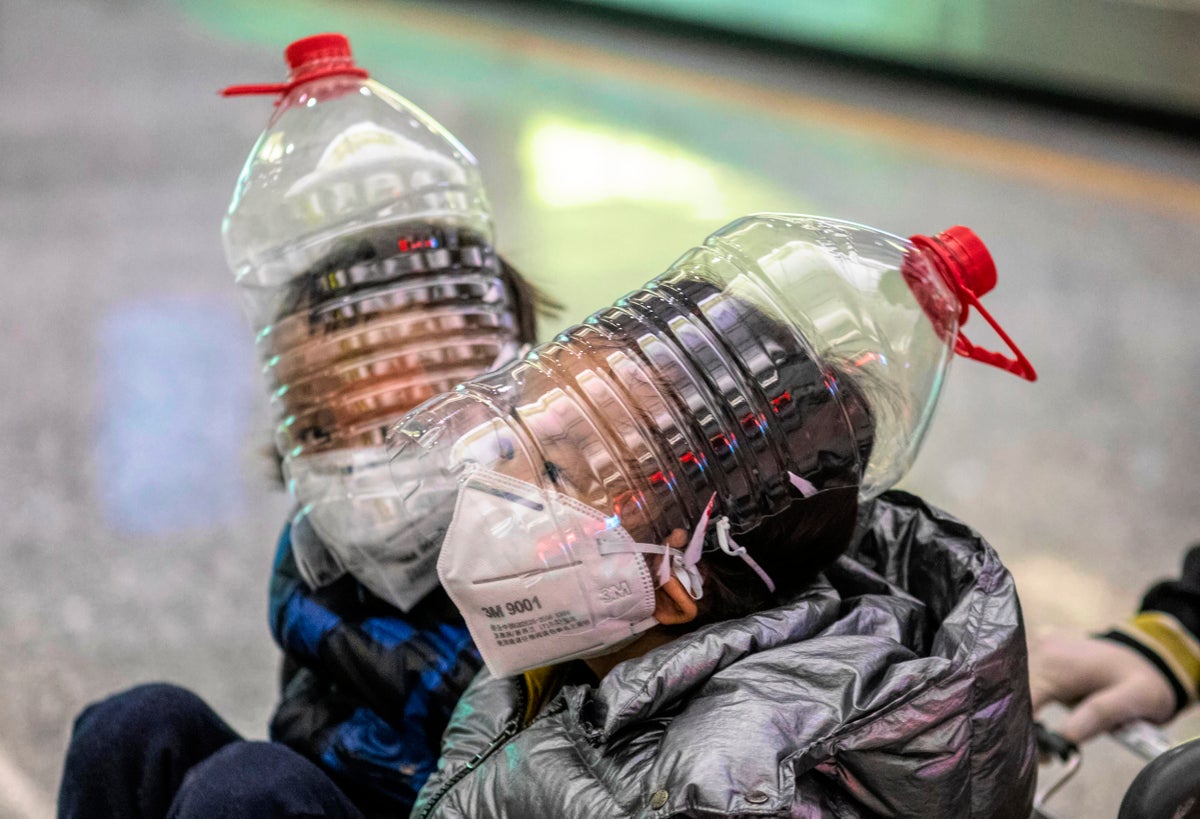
(176, 380)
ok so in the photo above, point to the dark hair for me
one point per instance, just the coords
(820, 525)
(530, 302)
(794, 545)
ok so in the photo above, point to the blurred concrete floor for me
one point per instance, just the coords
(138, 522)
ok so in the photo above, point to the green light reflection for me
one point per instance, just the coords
(606, 208)
(598, 183)
(575, 166)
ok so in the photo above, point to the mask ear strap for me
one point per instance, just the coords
(672, 562)
(730, 547)
(683, 566)
(805, 488)
(687, 574)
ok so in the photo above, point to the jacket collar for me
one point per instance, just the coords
(643, 687)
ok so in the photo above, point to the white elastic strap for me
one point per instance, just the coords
(806, 488)
(730, 547)
(618, 545)
(696, 544)
(687, 574)
(685, 564)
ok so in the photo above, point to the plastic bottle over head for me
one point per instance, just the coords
(362, 243)
(883, 311)
(341, 153)
(785, 357)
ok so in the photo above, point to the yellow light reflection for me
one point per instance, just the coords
(574, 166)
(271, 149)
(608, 208)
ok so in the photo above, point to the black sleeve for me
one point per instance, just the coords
(1179, 598)
(1171, 643)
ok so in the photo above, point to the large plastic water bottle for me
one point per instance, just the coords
(787, 356)
(360, 235)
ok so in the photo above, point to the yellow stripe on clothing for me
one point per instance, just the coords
(1167, 638)
(540, 684)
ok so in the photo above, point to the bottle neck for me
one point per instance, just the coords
(319, 90)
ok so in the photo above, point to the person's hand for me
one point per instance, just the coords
(1104, 684)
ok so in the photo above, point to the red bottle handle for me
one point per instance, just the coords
(965, 264)
(310, 58)
(261, 88)
(1017, 365)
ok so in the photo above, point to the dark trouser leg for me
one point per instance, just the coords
(129, 754)
(264, 780)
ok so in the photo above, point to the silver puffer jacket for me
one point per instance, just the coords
(895, 687)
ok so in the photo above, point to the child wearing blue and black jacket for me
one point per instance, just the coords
(366, 693)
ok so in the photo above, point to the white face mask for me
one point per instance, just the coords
(541, 578)
(355, 524)
(355, 520)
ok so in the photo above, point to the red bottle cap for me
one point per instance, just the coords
(318, 47)
(310, 58)
(971, 258)
(964, 262)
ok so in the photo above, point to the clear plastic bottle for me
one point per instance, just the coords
(362, 241)
(786, 356)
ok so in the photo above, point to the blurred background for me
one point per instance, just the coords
(139, 517)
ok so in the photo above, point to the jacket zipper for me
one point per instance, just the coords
(508, 732)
